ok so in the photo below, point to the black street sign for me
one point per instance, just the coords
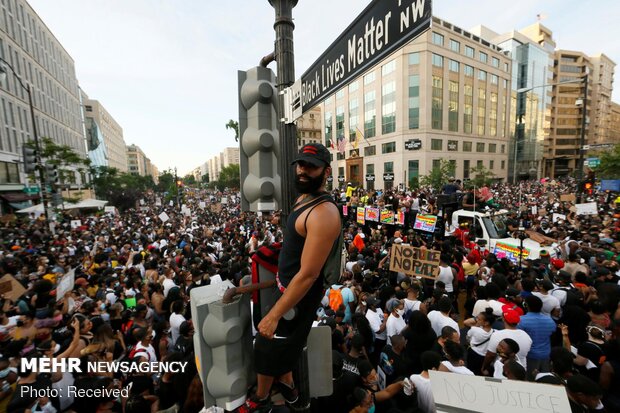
(340, 178)
(379, 30)
(370, 177)
(413, 144)
(388, 176)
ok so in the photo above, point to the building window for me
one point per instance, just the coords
(505, 83)
(468, 71)
(480, 147)
(414, 58)
(479, 164)
(453, 146)
(388, 147)
(469, 51)
(388, 167)
(455, 46)
(88, 108)
(436, 144)
(503, 165)
(437, 39)
(353, 106)
(437, 60)
(453, 66)
(413, 167)
(492, 147)
(339, 122)
(388, 108)
(370, 168)
(466, 146)
(495, 62)
(483, 57)
(482, 104)
(491, 164)
(466, 169)
(328, 129)
(369, 78)
(494, 80)
(503, 148)
(352, 89)
(388, 68)
(370, 150)
(340, 94)
(340, 156)
(482, 75)
(414, 101)
(468, 110)
(369, 114)
(437, 107)
(493, 115)
(453, 107)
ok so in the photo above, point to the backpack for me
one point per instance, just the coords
(574, 296)
(335, 262)
(335, 298)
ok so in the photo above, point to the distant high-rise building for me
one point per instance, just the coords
(138, 163)
(42, 63)
(214, 166)
(309, 127)
(615, 124)
(110, 130)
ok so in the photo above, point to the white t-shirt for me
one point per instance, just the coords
(479, 339)
(457, 369)
(521, 337)
(175, 322)
(375, 319)
(439, 321)
(168, 284)
(394, 326)
(561, 294)
(5, 328)
(412, 305)
(426, 401)
(549, 301)
(498, 367)
(447, 276)
(149, 350)
(481, 306)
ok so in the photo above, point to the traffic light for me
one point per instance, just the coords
(51, 174)
(222, 345)
(588, 186)
(259, 140)
(30, 159)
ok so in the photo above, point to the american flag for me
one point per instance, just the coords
(341, 144)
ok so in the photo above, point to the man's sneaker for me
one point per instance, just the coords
(254, 404)
(290, 394)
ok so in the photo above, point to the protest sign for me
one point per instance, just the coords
(217, 208)
(224, 200)
(361, 215)
(387, 216)
(142, 202)
(558, 217)
(400, 218)
(425, 222)
(586, 209)
(11, 288)
(75, 223)
(372, 214)
(66, 284)
(464, 393)
(414, 261)
(612, 185)
(568, 198)
(535, 210)
(157, 201)
(345, 210)
(171, 203)
(109, 209)
(509, 251)
(202, 204)
(164, 217)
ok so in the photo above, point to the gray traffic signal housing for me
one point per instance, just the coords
(30, 159)
(51, 174)
(259, 140)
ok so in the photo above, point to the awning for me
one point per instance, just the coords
(18, 196)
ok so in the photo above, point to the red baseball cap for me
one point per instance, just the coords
(557, 263)
(511, 316)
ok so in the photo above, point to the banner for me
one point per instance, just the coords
(463, 393)
(425, 222)
(345, 210)
(586, 209)
(372, 214)
(509, 251)
(387, 216)
(361, 215)
(414, 261)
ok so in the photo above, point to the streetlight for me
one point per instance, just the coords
(3, 74)
(519, 130)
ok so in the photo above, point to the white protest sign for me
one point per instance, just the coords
(75, 223)
(535, 210)
(164, 217)
(216, 279)
(66, 284)
(459, 392)
(557, 217)
(586, 209)
(157, 201)
(224, 201)
(142, 202)
(110, 209)
(202, 204)
(187, 212)
(171, 203)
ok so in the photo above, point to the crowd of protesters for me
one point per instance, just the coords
(554, 320)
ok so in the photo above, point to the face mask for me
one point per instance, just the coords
(363, 303)
(400, 312)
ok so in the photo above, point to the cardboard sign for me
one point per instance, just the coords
(164, 217)
(509, 251)
(586, 209)
(463, 393)
(568, 198)
(387, 216)
(361, 215)
(217, 208)
(425, 222)
(75, 223)
(414, 261)
(558, 217)
(67, 282)
(11, 288)
(372, 214)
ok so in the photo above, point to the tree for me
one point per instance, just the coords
(481, 176)
(64, 157)
(166, 181)
(234, 125)
(438, 177)
(189, 179)
(121, 189)
(205, 179)
(609, 167)
(229, 177)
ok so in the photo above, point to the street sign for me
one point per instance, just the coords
(388, 176)
(413, 144)
(370, 177)
(593, 162)
(379, 30)
(31, 189)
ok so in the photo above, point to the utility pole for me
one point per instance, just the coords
(285, 58)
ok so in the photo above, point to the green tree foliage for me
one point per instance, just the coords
(229, 177)
(610, 164)
(438, 177)
(480, 176)
(122, 190)
(166, 181)
(234, 125)
(64, 157)
(205, 179)
(189, 179)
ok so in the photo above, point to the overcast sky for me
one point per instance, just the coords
(166, 70)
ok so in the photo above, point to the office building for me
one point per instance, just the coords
(138, 163)
(110, 130)
(214, 166)
(309, 127)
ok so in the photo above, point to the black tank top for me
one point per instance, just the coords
(289, 260)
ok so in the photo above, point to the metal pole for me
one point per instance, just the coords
(38, 157)
(176, 184)
(284, 55)
(582, 140)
